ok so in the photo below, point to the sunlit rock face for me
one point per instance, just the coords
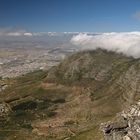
(4, 109)
(125, 127)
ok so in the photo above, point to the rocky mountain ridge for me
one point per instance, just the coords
(71, 100)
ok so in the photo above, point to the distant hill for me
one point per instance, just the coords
(71, 100)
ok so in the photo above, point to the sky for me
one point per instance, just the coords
(71, 15)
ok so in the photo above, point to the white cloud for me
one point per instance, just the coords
(127, 43)
(28, 34)
(14, 32)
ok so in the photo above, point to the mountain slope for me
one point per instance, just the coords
(71, 100)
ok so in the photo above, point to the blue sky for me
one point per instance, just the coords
(71, 15)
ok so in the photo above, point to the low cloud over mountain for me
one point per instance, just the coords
(127, 43)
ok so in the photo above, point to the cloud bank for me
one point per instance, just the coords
(14, 32)
(127, 43)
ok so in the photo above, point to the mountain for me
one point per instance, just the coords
(71, 100)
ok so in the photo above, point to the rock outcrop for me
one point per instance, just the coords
(126, 127)
(5, 111)
(3, 85)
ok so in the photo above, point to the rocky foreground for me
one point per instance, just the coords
(125, 127)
